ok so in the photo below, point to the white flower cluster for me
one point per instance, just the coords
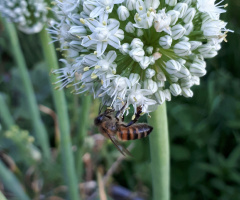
(29, 15)
(139, 52)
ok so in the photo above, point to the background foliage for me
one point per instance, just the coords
(204, 133)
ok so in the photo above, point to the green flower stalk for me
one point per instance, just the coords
(40, 131)
(63, 119)
(160, 158)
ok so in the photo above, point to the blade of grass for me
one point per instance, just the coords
(159, 147)
(40, 131)
(5, 113)
(63, 119)
(11, 183)
(84, 123)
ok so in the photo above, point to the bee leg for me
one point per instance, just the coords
(137, 116)
(120, 111)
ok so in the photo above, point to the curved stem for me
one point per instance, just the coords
(40, 131)
(159, 147)
(5, 113)
(63, 119)
(11, 182)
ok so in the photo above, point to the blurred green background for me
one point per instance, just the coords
(204, 132)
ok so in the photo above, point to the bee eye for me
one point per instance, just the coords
(98, 120)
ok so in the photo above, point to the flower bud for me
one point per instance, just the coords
(187, 92)
(145, 62)
(160, 96)
(123, 13)
(140, 32)
(165, 41)
(171, 2)
(131, 4)
(152, 60)
(197, 69)
(195, 80)
(172, 66)
(195, 45)
(129, 27)
(186, 82)
(152, 3)
(174, 16)
(200, 62)
(211, 54)
(134, 78)
(136, 43)
(184, 38)
(189, 28)
(160, 84)
(149, 50)
(181, 61)
(189, 15)
(167, 95)
(161, 76)
(173, 78)
(137, 54)
(181, 7)
(150, 85)
(183, 72)
(182, 48)
(125, 48)
(177, 31)
(175, 89)
(78, 31)
(119, 34)
(150, 73)
(188, 2)
(206, 48)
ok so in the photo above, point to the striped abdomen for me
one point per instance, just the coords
(136, 131)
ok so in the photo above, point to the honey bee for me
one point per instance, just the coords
(113, 127)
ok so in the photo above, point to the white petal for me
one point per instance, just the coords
(113, 26)
(97, 11)
(86, 42)
(114, 41)
(111, 56)
(93, 24)
(101, 47)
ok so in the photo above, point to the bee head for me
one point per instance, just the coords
(100, 118)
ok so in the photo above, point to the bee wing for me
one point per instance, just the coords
(120, 148)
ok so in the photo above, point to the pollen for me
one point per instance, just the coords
(97, 67)
(93, 76)
(86, 69)
(82, 20)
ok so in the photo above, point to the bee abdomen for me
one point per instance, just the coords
(134, 132)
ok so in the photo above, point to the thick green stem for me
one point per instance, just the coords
(63, 119)
(11, 183)
(2, 197)
(5, 114)
(159, 147)
(40, 131)
(83, 128)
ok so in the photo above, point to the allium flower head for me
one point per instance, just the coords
(139, 52)
(29, 15)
